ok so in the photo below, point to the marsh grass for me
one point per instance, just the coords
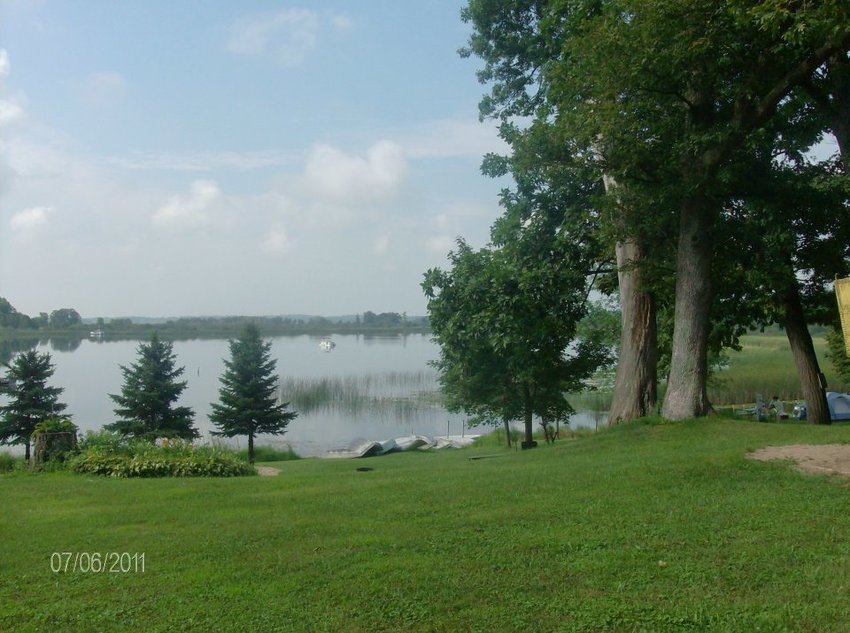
(389, 394)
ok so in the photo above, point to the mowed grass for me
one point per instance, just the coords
(648, 527)
(765, 366)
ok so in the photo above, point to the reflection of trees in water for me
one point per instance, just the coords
(65, 344)
(10, 347)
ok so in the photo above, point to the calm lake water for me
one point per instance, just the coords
(374, 387)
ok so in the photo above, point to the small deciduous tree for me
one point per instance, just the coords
(31, 400)
(247, 400)
(505, 319)
(150, 390)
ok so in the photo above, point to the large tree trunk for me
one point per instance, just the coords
(529, 429)
(686, 395)
(250, 448)
(636, 382)
(805, 358)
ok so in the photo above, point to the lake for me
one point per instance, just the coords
(366, 388)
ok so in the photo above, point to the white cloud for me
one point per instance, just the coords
(286, 36)
(30, 220)
(4, 63)
(381, 245)
(277, 241)
(191, 211)
(335, 176)
(10, 111)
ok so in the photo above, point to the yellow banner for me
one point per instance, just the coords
(842, 293)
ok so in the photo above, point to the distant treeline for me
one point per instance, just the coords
(68, 321)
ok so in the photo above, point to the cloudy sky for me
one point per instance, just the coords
(169, 158)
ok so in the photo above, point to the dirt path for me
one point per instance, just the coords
(267, 471)
(814, 458)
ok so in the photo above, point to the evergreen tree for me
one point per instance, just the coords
(30, 399)
(247, 401)
(147, 398)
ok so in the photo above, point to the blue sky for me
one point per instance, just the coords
(185, 158)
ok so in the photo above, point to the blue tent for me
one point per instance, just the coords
(839, 405)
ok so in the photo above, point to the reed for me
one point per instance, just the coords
(397, 394)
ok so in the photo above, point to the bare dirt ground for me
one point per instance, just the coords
(814, 458)
(267, 471)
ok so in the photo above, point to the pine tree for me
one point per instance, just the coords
(247, 401)
(147, 398)
(30, 399)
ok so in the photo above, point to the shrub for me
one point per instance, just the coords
(103, 440)
(9, 462)
(142, 459)
(53, 441)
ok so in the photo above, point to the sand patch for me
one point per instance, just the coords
(267, 471)
(814, 458)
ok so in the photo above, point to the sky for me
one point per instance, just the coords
(163, 158)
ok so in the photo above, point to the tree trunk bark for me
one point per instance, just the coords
(507, 432)
(250, 448)
(636, 381)
(805, 358)
(27, 452)
(686, 395)
(529, 429)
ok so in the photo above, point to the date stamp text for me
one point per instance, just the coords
(97, 562)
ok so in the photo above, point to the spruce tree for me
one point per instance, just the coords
(151, 387)
(247, 402)
(31, 400)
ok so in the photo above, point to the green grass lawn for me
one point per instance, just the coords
(649, 527)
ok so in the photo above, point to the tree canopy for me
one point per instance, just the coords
(669, 102)
(148, 396)
(31, 399)
(248, 403)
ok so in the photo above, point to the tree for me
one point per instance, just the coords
(65, 317)
(838, 353)
(505, 319)
(150, 390)
(10, 317)
(247, 400)
(31, 400)
(660, 94)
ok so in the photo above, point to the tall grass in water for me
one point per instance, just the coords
(399, 394)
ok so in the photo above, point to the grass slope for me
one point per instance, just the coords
(650, 527)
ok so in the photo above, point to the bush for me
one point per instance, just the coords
(53, 441)
(9, 462)
(174, 459)
(108, 441)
